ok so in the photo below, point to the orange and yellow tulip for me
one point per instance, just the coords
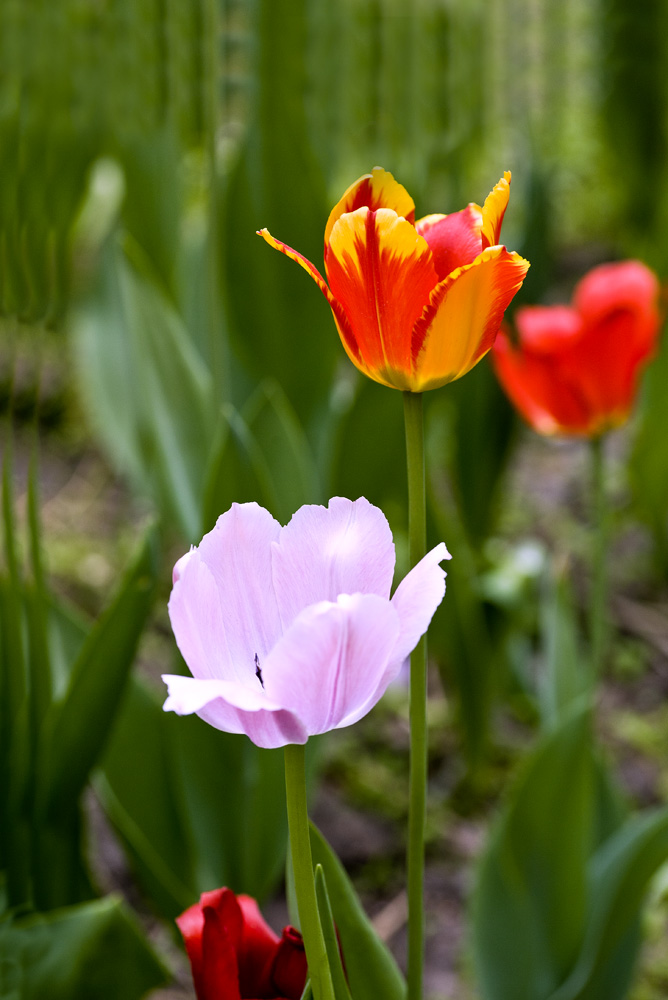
(416, 304)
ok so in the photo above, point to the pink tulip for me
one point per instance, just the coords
(290, 631)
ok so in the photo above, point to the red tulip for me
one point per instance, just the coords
(235, 955)
(574, 369)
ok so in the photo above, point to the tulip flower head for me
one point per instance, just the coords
(416, 304)
(235, 955)
(290, 631)
(574, 369)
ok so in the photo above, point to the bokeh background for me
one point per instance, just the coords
(158, 362)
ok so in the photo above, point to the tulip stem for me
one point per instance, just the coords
(417, 537)
(302, 866)
(599, 585)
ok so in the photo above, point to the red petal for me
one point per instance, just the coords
(536, 386)
(454, 239)
(220, 973)
(290, 970)
(257, 953)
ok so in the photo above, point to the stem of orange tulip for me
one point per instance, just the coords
(417, 537)
(599, 586)
(302, 866)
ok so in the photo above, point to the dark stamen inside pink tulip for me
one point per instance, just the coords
(258, 672)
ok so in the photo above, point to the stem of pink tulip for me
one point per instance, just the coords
(417, 537)
(599, 584)
(302, 866)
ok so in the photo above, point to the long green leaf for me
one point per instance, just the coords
(81, 723)
(341, 991)
(620, 872)
(93, 950)
(372, 972)
(531, 898)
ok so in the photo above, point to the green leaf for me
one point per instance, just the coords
(92, 950)
(530, 903)
(372, 972)
(261, 454)
(80, 724)
(142, 805)
(279, 321)
(566, 675)
(206, 808)
(146, 387)
(341, 991)
(648, 465)
(290, 465)
(619, 876)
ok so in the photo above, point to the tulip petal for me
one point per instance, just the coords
(220, 976)
(494, 210)
(340, 316)
(382, 272)
(375, 190)
(463, 317)
(539, 386)
(223, 608)
(416, 599)
(332, 665)
(234, 708)
(453, 239)
(344, 548)
(546, 329)
(218, 946)
(258, 951)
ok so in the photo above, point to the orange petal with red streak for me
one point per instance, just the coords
(340, 317)
(464, 315)
(382, 273)
(375, 190)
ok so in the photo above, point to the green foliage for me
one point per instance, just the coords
(370, 968)
(561, 884)
(94, 949)
(204, 809)
(566, 677)
(648, 466)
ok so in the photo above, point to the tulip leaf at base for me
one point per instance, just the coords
(371, 970)
(341, 991)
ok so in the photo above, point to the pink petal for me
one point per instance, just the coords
(416, 599)
(223, 608)
(345, 548)
(331, 666)
(234, 708)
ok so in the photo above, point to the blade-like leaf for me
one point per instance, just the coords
(619, 876)
(566, 673)
(530, 904)
(81, 723)
(146, 387)
(372, 972)
(92, 950)
(341, 991)
(205, 808)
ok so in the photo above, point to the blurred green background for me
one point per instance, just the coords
(142, 144)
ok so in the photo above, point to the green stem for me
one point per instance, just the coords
(302, 866)
(417, 536)
(599, 588)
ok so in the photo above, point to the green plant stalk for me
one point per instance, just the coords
(599, 567)
(417, 537)
(302, 866)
